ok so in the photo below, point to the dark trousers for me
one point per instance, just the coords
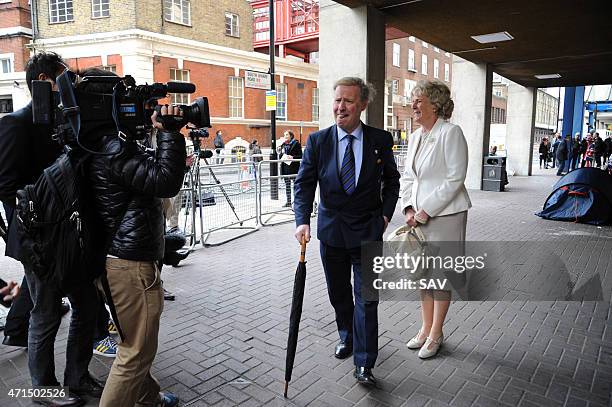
(18, 317)
(357, 322)
(45, 321)
(102, 318)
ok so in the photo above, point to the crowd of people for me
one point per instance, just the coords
(567, 153)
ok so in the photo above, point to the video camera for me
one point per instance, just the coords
(196, 134)
(88, 99)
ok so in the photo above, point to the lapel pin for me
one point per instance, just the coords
(376, 152)
(378, 161)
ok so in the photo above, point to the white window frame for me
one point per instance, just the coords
(436, 68)
(68, 15)
(180, 75)
(411, 60)
(174, 11)
(425, 45)
(236, 97)
(110, 68)
(447, 72)
(436, 49)
(234, 18)
(424, 64)
(412, 38)
(395, 86)
(281, 101)
(315, 105)
(409, 84)
(97, 6)
(397, 53)
(10, 57)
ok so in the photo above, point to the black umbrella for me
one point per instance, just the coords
(296, 314)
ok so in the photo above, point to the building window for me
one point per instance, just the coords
(236, 96)
(178, 11)
(436, 68)
(110, 68)
(6, 63)
(425, 45)
(179, 75)
(395, 86)
(446, 72)
(281, 101)
(6, 105)
(411, 38)
(232, 26)
(60, 11)
(411, 61)
(100, 8)
(424, 64)
(315, 105)
(436, 49)
(396, 54)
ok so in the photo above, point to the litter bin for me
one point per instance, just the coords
(494, 176)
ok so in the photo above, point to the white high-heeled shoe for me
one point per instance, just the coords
(415, 342)
(425, 351)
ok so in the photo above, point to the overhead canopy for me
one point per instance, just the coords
(568, 37)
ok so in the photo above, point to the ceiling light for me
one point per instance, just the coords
(494, 37)
(548, 76)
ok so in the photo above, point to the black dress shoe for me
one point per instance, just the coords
(15, 341)
(89, 387)
(343, 350)
(70, 400)
(168, 296)
(364, 376)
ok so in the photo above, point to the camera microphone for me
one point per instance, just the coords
(180, 87)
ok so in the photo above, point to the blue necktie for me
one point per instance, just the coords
(347, 171)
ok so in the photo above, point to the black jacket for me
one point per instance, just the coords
(294, 149)
(127, 188)
(562, 151)
(25, 151)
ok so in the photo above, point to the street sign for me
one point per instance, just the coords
(270, 100)
(256, 80)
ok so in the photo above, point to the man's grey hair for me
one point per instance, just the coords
(366, 89)
(439, 96)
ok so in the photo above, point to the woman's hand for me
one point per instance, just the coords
(421, 217)
(410, 221)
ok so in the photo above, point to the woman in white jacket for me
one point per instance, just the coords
(433, 194)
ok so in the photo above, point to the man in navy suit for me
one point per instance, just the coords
(359, 187)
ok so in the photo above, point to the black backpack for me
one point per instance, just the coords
(55, 225)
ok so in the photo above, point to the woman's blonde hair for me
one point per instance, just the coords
(439, 96)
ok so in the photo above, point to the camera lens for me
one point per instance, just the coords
(197, 113)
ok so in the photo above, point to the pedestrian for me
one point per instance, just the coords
(291, 149)
(255, 152)
(434, 195)
(219, 146)
(40, 302)
(555, 145)
(563, 154)
(608, 144)
(543, 150)
(127, 185)
(575, 155)
(599, 149)
(354, 167)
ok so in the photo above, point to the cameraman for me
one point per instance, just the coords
(25, 151)
(128, 185)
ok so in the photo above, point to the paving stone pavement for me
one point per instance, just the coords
(222, 342)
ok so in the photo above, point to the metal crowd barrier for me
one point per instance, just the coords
(272, 195)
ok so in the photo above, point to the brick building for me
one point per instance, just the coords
(15, 33)
(208, 43)
(409, 60)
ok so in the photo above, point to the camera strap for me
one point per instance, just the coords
(70, 109)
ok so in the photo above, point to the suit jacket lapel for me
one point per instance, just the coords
(366, 155)
(429, 143)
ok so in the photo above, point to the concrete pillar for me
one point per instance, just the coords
(472, 89)
(351, 43)
(520, 125)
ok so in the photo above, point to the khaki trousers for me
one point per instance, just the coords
(138, 298)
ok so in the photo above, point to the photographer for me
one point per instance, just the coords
(25, 151)
(128, 185)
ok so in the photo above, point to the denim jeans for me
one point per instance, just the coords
(45, 320)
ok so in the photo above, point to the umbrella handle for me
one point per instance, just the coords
(303, 250)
